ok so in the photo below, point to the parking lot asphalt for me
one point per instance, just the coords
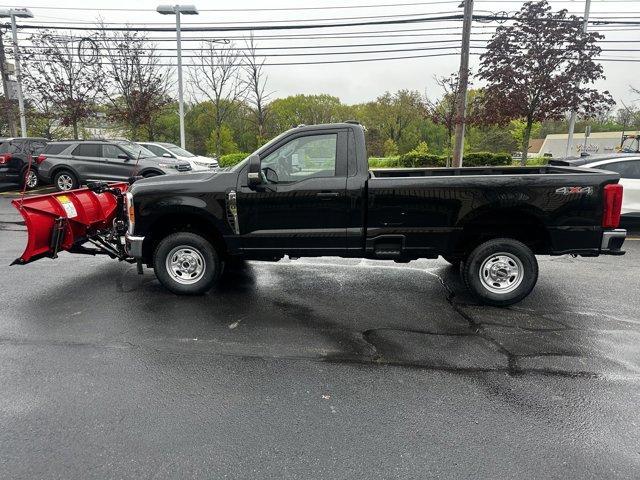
(316, 368)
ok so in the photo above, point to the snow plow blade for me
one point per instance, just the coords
(63, 220)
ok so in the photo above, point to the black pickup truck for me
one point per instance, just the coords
(309, 192)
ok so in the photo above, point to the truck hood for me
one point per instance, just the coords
(201, 180)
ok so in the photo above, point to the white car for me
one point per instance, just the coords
(627, 165)
(169, 150)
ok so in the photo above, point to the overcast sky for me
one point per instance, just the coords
(354, 82)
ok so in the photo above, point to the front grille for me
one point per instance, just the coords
(183, 167)
(207, 164)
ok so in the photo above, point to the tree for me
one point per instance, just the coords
(397, 116)
(304, 109)
(539, 68)
(52, 75)
(257, 96)
(444, 112)
(216, 74)
(135, 84)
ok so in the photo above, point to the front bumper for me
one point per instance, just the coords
(612, 241)
(133, 245)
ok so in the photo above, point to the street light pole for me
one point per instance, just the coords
(178, 10)
(572, 119)
(180, 91)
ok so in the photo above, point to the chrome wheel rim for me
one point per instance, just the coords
(185, 265)
(31, 180)
(501, 273)
(65, 182)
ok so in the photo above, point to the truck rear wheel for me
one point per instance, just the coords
(186, 263)
(500, 272)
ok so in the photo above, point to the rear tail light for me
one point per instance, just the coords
(4, 158)
(612, 205)
(40, 158)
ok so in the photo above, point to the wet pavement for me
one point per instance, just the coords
(316, 368)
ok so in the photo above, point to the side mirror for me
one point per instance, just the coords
(253, 171)
(124, 156)
(167, 155)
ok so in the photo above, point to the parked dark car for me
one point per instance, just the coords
(310, 192)
(69, 164)
(15, 155)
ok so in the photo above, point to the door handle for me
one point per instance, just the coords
(327, 194)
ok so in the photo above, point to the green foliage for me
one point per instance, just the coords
(390, 148)
(420, 157)
(231, 159)
(221, 141)
(383, 162)
(536, 161)
(480, 159)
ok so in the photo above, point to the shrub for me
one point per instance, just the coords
(481, 159)
(383, 162)
(232, 159)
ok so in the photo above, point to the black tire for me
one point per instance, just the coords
(65, 180)
(454, 261)
(500, 272)
(29, 179)
(150, 174)
(202, 265)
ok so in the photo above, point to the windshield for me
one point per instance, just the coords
(135, 150)
(177, 151)
(630, 145)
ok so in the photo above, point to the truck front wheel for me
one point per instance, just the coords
(500, 272)
(186, 263)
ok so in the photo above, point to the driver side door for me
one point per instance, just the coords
(301, 206)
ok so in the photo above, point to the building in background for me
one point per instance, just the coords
(600, 142)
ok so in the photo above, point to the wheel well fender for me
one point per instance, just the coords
(523, 224)
(54, 170)
(182, 219)
(147, 171)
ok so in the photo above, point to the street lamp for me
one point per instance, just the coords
(177, 10)
(19, 13)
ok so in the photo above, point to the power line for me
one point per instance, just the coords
(246, 28)
(270, 9)
(293, 20)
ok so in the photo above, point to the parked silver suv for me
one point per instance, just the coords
(71, 163)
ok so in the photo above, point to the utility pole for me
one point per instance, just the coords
(463, 82)
(12, 13)
(16, 54)
(572, 119)
(7, 107)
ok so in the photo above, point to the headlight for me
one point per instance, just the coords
(167, 165)
(130, 212)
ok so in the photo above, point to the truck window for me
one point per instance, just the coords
(304, 157)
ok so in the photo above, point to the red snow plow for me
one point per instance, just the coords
(68, 220)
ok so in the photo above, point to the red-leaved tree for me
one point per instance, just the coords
(539, 68)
